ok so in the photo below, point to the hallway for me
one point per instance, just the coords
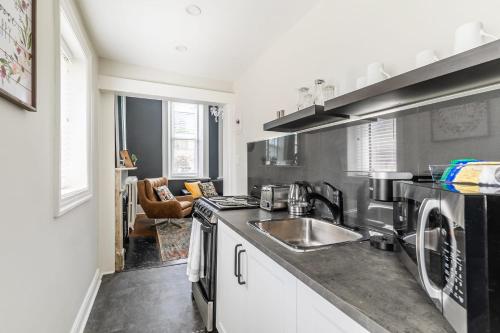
(146, 301)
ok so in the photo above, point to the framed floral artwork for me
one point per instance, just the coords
(17, 52)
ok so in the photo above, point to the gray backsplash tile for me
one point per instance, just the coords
(435, 134)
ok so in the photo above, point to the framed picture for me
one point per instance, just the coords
(127, 161)
(469, 120)
(18, 52)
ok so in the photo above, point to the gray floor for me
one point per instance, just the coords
(147, 300)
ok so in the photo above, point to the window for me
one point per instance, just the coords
(186, 140)
(372, 147)
(282, 151)
(74, 135)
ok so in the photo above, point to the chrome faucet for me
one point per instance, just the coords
(335, 206)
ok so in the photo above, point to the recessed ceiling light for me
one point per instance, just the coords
(193, 10)
(181, 48)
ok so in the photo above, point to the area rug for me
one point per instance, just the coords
(173, 238)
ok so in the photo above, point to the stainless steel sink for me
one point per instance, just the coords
(306, 234)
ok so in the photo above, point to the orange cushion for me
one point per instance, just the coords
(194, 189)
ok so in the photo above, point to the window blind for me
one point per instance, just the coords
(74, 107)
(67, 95)
(73, 123)
(373, 147)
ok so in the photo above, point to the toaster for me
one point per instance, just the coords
(274, 197)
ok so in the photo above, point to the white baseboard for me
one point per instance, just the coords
(83, 313)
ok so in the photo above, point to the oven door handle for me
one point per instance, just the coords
(236, 259)
(205, 229)
(205, 226)
(423, 216)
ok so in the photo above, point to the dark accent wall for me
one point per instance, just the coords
(144, 138)
(213, 148)
(144, 135)
(434, 134)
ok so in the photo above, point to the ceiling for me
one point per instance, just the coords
(221, 42)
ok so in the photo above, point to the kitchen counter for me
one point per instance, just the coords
(370, 286)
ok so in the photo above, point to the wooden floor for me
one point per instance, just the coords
(143, 227)
(141, 249)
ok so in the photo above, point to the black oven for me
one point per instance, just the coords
(204, 290)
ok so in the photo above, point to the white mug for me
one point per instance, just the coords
(375, 73)
(425, 57)
(344, 87)
(469, 36)
(360, 82)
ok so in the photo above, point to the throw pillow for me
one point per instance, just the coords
(164, 193)
(194, 189)
(208, 190)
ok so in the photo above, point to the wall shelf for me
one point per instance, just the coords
(125, 169)
(476, 68)
(302, 119)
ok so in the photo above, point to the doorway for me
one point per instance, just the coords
(158, 136)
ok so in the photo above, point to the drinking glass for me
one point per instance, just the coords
(329, 92)
(319, 98)
(301, 98)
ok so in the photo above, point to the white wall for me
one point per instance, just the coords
(336, 40)
(147, 89)
(127, 71)
(106, 186)
(47, 264)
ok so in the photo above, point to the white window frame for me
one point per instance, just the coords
(65, 203)
(202, 141)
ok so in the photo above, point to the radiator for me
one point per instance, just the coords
(131, 188)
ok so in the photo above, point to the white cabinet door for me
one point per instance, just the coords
(271, 295)
(315, 314)
(231, 299)
(268, 299)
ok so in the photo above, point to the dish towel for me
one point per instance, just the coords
(196, 256)
(131, 183)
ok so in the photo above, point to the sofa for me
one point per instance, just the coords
(218, 184)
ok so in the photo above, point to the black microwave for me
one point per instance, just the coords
(448, 236)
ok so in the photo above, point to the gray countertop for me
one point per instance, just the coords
(370, 286)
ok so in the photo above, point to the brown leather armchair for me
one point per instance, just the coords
(157, 209)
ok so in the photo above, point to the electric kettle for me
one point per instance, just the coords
(297, 198)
